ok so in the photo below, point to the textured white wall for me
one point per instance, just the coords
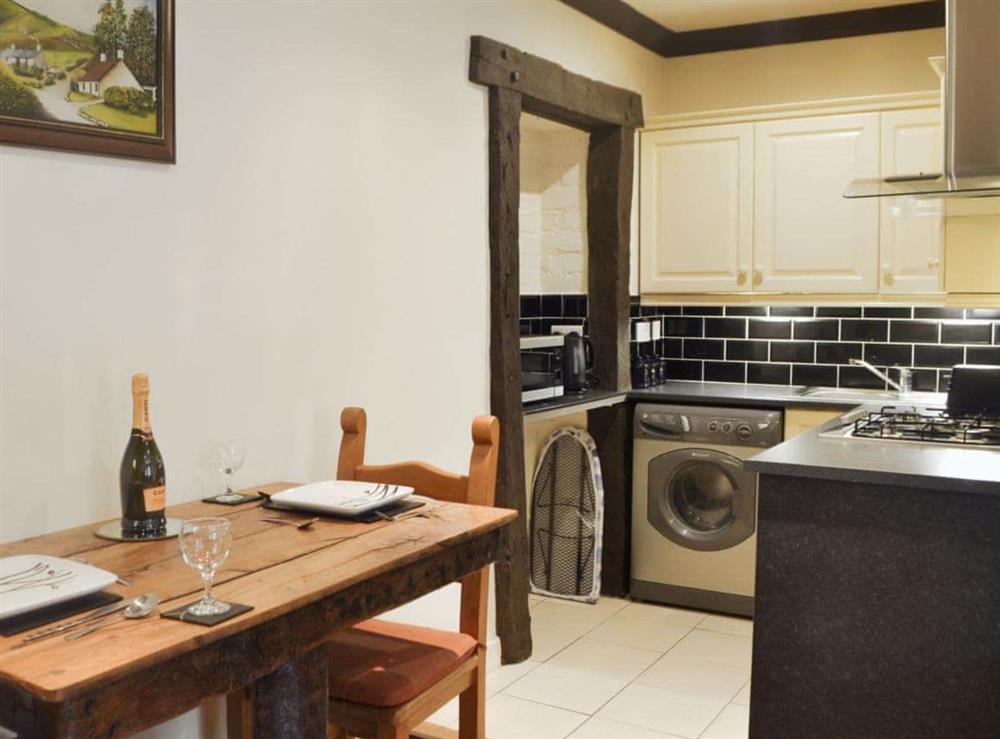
(322, 241)
(553, 216)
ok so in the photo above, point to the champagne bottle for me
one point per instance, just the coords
(143, 479)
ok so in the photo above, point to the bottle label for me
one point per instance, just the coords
(155, 498)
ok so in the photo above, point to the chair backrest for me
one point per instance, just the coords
(478, 487)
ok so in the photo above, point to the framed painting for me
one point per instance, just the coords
(94, 76)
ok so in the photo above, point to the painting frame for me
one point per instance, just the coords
(72, 137)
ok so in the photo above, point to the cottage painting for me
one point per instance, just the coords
(83, 66)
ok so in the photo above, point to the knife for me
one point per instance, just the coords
(102, 611)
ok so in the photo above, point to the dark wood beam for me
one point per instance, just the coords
(512, 574)
(550, 90)
(610, 428)
(621, 17)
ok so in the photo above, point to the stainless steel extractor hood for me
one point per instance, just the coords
(971, 112)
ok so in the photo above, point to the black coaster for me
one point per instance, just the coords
(367, 517)
(243, 499)
(180, 614)
(43, 616)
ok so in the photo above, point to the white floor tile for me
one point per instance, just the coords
(557, 610)
(732, 723)
(501, 677)
(662, 710)
(665, 614)
(447, 715)
(743, 697)
(546, 640)
(599, 728)
(698, 677)
(643, 633)
(604, 658)
(728, 625)
(512, 718)
(725, 649)
(565, 687)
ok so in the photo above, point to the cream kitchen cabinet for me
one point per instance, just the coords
(912, 231)
(696, 209)
(807, 237)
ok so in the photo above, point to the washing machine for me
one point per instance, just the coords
(694, 507)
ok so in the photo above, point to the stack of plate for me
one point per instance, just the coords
(340, 497)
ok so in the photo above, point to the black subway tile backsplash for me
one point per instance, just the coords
(793, 351)
(681, 369)
(820, 375)
(704, 349)
(838, 311)
(983, 355)
(725, 372)
(924, 332)
(770, 329)
(726, 328)
(755, 350)
(859, 377)
(938, 356)
(882, 311)
(673, 326)
(864, 330)
(839, 353)
(746, 310)
(825, 329)
(889, 355)
(769, 374)
(802, 345)
(802, 311)
(965, 333)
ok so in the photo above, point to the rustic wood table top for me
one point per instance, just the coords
(301, 584)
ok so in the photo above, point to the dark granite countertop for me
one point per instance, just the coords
(575, 401)
(771, 396)
(815, 454)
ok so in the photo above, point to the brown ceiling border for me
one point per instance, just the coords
(626, 20)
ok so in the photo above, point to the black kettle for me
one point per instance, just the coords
(578, 358)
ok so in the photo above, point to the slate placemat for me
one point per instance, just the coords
(57, 612)
(180, 614)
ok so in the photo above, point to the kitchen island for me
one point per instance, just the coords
(877, 590)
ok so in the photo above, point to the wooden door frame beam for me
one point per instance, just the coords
(520, 82)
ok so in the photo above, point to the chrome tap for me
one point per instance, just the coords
(903, 387)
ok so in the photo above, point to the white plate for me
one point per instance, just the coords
(341, 497)
(32, 581)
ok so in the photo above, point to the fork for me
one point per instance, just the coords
(297, 524)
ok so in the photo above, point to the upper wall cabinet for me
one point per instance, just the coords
(807, 237)
(696, 209)
(912, 231)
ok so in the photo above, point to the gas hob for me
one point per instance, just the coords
(922, 426)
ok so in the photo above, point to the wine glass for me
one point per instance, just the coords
(228, 458)
(205, 545)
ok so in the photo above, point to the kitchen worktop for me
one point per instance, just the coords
(898, 463)
(717, 393)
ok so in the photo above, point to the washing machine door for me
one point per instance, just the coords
(701, 498)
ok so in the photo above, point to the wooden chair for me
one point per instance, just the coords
(386, 678)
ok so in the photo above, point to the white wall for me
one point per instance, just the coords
(553, 212)
(322, 241)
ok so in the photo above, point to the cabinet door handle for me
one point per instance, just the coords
(887, 276)
(758, 275)
(741, 275)
(933, 262)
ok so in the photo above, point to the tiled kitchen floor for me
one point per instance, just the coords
(622, 670)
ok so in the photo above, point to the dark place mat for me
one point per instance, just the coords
(368, 517)
(33, 619)
(242, 501)
(179, 614)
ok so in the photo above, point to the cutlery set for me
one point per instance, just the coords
(137, 608)
(39, 575)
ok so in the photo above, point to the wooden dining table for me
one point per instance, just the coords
(302, 584)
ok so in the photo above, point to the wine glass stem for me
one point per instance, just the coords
(208, 597)
(229, 482)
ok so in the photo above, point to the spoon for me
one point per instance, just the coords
(138, 608)
(297, 524)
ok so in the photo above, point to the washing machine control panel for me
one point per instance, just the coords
(733, 427)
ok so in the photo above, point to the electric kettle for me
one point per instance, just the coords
(578, 358)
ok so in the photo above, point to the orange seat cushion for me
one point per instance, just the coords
(381, 663)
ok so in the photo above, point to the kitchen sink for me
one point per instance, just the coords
(848, 393)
